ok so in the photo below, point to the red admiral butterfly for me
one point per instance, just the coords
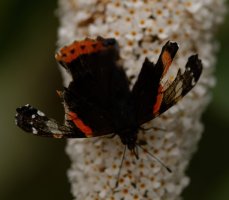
(98, 100)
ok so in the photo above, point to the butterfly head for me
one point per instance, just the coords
(129, 138)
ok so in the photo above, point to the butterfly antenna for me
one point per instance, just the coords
(155, 158)
(136, 152)
(120, 167)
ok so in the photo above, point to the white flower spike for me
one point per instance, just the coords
(141, 28)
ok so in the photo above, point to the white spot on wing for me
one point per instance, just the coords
(40, 113)
(33, 116)
(34, 130)
(53, 127)
(193, 82)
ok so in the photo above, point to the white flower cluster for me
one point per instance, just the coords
(141, 28)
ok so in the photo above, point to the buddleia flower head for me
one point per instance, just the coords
(141, 29)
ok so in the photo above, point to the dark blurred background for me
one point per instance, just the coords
(35, 168)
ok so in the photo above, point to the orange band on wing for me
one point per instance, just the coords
(71, 52)
(159, 99)
(80, 124)
(166, 60)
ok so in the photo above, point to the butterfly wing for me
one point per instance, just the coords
(98, 85)
(181, 85)
(36, 122)
(146, 88)
(150, 98)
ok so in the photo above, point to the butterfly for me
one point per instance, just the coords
(98, 101)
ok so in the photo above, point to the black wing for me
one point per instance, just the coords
(36, 122)
(98, 89)
(146, 88)
(151, 99)
(182, 84)
(92, 99)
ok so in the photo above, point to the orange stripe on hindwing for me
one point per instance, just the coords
(159, 99)
(166, 60)
(80, 124)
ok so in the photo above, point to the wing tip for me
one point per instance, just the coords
(27, 117)
(195, 64)
(194, 68)
(24, 113)
(171, 47)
